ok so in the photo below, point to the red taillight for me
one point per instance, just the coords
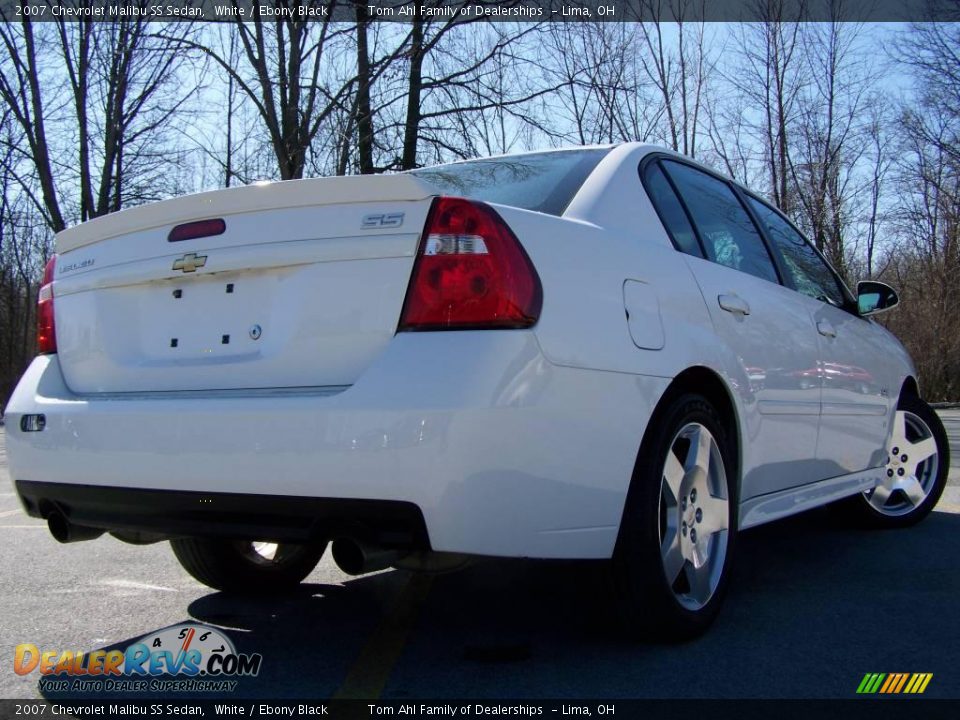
(46, 330)
(470, 273)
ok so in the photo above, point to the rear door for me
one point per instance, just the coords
(771, 335)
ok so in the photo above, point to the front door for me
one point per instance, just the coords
(856, 373)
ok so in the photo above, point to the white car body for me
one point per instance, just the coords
(513, 442)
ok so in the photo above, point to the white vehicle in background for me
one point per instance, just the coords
(608, 353)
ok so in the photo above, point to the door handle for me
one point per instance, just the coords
(826, 329)
(734, 304)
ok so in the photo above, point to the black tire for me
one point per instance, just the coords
(651, 606)
(236, 566)
(860, 511)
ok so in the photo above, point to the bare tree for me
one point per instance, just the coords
(925, 260)
(769, 76)
(20, 87)
(90, 110)
(289, 74)
(678, 70)
(364, 113)
(230, 142)
(881, 161)
(24, 248)
(447, 85)
(830, 137)
(602, 93)
(122, 94)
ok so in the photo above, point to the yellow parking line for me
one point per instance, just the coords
(370, 671)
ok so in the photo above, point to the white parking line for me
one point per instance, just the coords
(134, 585)
(8, 513)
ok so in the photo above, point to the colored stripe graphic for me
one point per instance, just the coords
(903, 679)
(894, 683)
(919, 683)
(870, 683)
(891, 680)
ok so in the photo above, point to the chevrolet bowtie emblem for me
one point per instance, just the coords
(190, 262)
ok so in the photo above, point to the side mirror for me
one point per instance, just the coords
(875, 297)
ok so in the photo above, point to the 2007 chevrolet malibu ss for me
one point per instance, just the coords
(609, 353)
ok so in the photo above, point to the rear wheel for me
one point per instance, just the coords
(678, 531)
(244, 566)
(918, 459)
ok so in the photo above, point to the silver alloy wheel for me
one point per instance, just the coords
(912, 466)
(694, 516)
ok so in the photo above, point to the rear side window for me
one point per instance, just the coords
(670, 210)
(729, 236)
(810, 273)
(544, 182)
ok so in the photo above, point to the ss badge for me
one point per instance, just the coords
(382, 220)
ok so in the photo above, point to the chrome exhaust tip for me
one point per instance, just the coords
(358, 558)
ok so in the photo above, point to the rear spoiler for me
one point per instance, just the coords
(249, 198)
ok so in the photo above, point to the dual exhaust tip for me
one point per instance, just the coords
(355, 557)
(352, 556)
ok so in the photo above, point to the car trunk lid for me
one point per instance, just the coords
(303, 288)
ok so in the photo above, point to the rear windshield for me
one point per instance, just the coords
(544, 182)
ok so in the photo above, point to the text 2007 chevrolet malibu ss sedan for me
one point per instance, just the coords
(607, 353)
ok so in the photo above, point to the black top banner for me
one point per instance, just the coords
(488, 10)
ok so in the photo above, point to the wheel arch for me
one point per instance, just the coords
(707, 382)
(910, 387)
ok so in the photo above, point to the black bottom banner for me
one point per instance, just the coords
(568, 709)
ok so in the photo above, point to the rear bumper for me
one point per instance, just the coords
(498, 450)
(279, 518)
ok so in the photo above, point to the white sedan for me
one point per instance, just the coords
(609, 353)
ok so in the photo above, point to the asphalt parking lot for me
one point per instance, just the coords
(814, 606)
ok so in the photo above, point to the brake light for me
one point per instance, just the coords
(470, 273)
(46, 330)
(198, 229)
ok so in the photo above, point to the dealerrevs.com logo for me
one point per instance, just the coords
(182, 658)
